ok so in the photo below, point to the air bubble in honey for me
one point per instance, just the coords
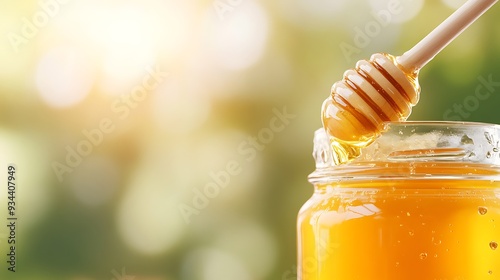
(482, 210)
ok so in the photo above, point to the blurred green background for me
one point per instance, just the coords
(170, 139)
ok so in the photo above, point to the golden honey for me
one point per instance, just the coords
(421, 202)
(374, 92)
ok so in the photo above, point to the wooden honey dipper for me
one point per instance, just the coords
(385, 88)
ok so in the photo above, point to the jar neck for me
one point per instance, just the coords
(425, 150)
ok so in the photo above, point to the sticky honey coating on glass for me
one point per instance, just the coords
(378, 90)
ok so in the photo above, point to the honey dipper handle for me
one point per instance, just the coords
(425, 50)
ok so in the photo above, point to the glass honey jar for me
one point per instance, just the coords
(421, 202)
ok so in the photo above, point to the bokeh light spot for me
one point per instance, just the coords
(148, 217)
(128, 48)
(238, 41)
(64, 77)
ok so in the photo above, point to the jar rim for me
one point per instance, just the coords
(447, 143)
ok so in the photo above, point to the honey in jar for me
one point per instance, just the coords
(421, 202)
